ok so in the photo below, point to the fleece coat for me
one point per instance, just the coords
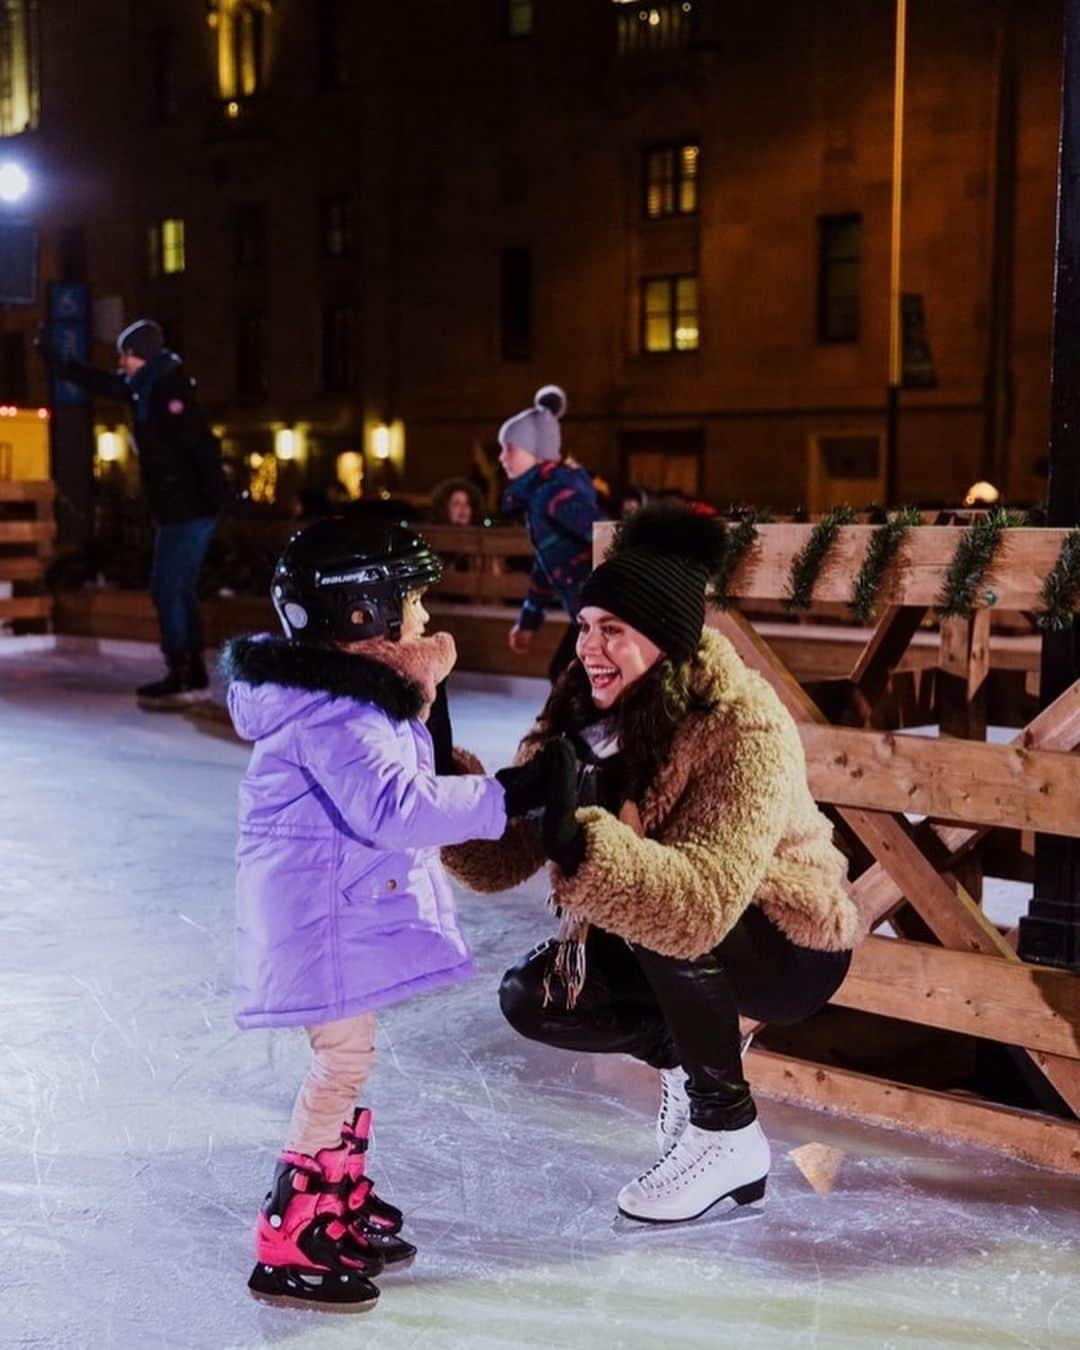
(728, 822)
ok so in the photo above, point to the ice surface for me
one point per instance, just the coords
(138, 1127)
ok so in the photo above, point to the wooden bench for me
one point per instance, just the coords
(27, 538)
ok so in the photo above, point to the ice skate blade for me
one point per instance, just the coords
(285, 1287)
(311, 1304)
(742, 1195)
(402, 1263)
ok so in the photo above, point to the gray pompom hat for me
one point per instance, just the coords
(536, 430)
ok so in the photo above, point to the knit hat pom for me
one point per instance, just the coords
(551, 397)
(675, 531)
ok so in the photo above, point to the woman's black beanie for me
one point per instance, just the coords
(654, 577)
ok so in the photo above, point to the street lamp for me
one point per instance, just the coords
(14, 182)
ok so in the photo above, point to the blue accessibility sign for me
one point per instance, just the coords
(69, 336)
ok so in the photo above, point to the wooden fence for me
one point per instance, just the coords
(938, 1026)
(27, 535)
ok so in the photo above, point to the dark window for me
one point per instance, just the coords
(250, 356)
(669, 314)
(13, 385)
(515, 304)
(172, 325)
(838, 278)
(670, 178)
(518, 18)
(72, 254)
(249, 235)
(337, 350)
(336, 226)
(162, 91)
(331, 67)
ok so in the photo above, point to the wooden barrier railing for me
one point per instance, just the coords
(27, 536)
(947, 968)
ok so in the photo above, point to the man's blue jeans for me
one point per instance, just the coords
(179, 551)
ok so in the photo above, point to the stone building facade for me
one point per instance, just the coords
(374, 229)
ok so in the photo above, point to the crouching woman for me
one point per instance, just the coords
(695, 877)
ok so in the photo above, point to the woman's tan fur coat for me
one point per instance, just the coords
(729, 821)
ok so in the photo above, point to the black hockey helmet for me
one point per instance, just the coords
(339, 580)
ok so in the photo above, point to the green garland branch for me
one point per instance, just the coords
(883, 547)
(807, 564)
(741, 538)
(970, 563)
(1060, 587)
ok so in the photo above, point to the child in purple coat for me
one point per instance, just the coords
(343, 906)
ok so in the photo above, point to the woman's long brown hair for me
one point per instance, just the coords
(646, 717)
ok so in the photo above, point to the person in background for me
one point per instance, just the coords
(456, 501)
(559, 503)
(633, 499)
(184, 483)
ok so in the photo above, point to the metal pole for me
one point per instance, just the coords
(896, 349)
(1050, 934)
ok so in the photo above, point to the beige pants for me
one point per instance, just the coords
(342, 1056)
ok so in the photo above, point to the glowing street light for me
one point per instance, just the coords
(14, 182)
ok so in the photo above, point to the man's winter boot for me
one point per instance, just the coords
(674, 1114)
(703, 1168)
(181, 687)
(370, 1218)
(197, 672)
(306, 1254)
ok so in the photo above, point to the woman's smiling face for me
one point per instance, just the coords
(614, 655)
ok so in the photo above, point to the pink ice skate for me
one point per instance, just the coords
(307, 1254)
(370, 1219)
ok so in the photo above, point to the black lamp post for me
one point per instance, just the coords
(1050, 933)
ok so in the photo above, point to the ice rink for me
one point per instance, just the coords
(138, 1127)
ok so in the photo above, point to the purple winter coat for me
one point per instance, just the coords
(342, 903)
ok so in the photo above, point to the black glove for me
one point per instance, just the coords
(562, 836)
(524, 786)
(442, 734)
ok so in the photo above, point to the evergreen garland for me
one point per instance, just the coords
(1060, 587)
(882, 549)
(973, 556)
(807, 564)
(740, 540)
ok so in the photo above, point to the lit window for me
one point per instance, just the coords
(19, 62)
(644, 27)
(838, 278)
(336, 226)
(172, 246)
(519, 18)
(669, 314)
(242, 45)
(671, 180)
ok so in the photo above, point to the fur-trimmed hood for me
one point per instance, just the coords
(270, 676)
